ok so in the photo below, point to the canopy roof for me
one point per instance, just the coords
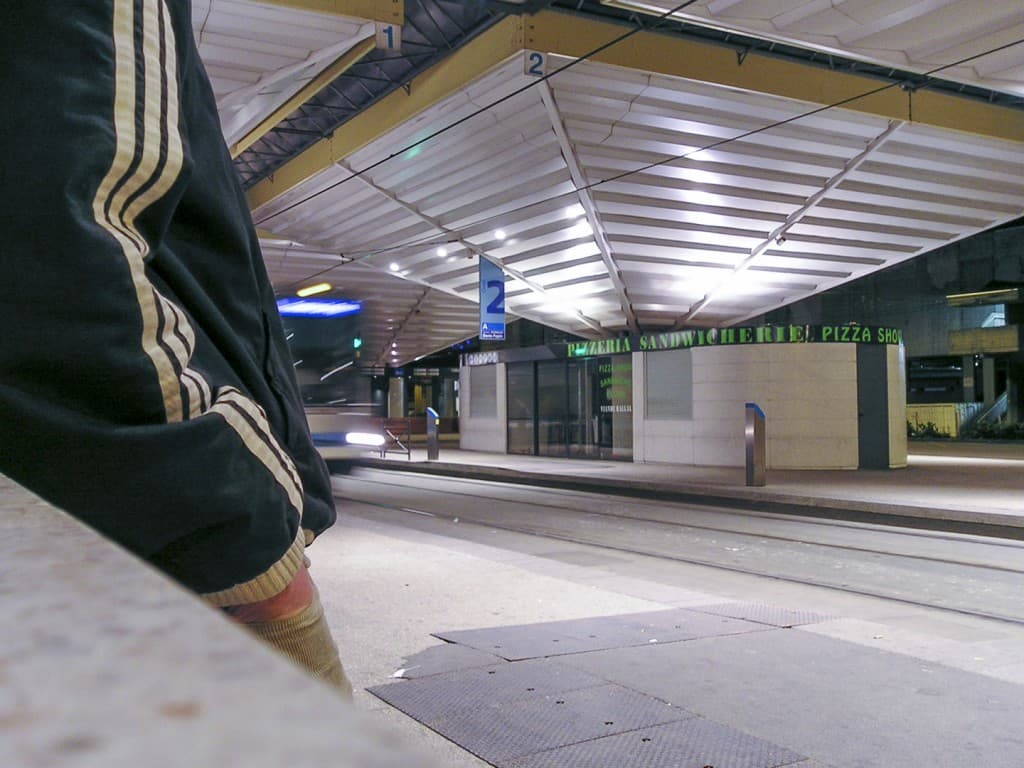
(746, 155)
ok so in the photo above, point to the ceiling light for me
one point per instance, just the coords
(341, 367)
(981, 298)
(312, 290)
(499, 234)
(393, 267)
(442, 251)
(317, 307)
(573, 211)
(394, 343)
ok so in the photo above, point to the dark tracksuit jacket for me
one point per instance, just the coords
(145, 384)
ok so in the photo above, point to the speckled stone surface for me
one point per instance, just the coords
(106, 663)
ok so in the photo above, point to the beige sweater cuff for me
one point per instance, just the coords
(267, 584)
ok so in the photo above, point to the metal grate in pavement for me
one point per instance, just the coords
(509, 725)
(440, 659)
(556, 638)
(763, 614)
(692, 743)
(470, 692)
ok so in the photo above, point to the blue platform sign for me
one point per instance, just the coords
(492, 302)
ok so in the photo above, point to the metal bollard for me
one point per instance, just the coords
(755, 444)
(433, 438)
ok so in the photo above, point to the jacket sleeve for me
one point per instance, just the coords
(144, 383)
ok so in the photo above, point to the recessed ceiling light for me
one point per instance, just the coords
(442, 251)
(393, 267)
(313, 290)
(499, 234)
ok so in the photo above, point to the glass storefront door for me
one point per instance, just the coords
(552, 409)
(522, 409)
(580, 408)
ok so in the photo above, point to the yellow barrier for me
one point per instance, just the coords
(945, 417)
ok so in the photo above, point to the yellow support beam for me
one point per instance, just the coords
(389, 11)
(449, 76)
(313, 87)
(571, 36)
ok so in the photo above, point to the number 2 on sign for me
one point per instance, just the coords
(497, 304)
(534, 63)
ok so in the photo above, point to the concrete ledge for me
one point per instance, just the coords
(755, 499)
(104, 662)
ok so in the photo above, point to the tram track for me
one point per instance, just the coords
(652, 535)
(830, 525)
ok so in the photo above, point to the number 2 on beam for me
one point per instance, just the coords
(534, 64)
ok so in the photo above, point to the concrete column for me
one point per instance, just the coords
(968, 378)
(639, 405)
(1015, 393)
(396, 398)
(988, 374)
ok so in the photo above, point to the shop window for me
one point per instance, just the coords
(669, 377)
(483, 392)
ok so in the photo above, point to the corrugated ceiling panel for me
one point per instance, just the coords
(678, 232)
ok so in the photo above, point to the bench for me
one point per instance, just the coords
(397, 437)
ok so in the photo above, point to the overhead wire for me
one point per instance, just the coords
(485, 108)
(356, 256)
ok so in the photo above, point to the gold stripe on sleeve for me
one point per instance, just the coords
(236, 410)
(122, 180)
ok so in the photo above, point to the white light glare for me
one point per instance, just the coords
(364, 438)
(499, 234)
(581, 228)
(393, 267)
(442, 251)
(573, 211)
(557, 308)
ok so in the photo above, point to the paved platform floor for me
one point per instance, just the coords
(744, 671)
(855, 682)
